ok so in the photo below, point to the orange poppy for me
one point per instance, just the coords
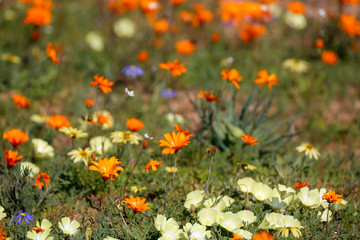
(208, 96)
(51, 53)
(301, 185)
(38, 16)
(332, 197)
(177, 2)
(134, 124)
(178, 128)
(137, 204)
(12, 157)
(153, 164)
(249, 139)
(20, 101)
(161, 26)
(319, 43)
(329, 57)
(41, 179)
(58, 121)
(89, 102)
(263, 236)
(176, 68)
(349, 25)
(143, 56)
(15, 136)
(296, 7)
(107, 167)
(173, 142)
(236, 237)
(185, 47)
(263, 78)
(103, 83)
(232, 76)
(250, 32)
(215, 37)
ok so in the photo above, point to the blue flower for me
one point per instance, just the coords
(168, 93)
(133, 71)
(23, 215)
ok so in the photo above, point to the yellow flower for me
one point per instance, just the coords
(245, 184)
(296, 65)
(73, 132)
(95, 41)
(194, 198)
(137, 188)
(39, 118)
(7, 57)
(34, 170)
(2, 214)
(261, 191)
(309, 150)
(126, 137)
(230, 221)
(40, 232)
(171, 169)
(247, 166)
(247, 217)
(42, 149)
(78, 155)
(208, 216)
(196, 231)
(100, 144)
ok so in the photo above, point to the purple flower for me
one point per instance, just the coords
(132, 71)
(168, 93)
(23, 215)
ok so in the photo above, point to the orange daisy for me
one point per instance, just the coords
(15, 137)
(232, 76)
(38, 16)
(161, 26)
(173, 142)
(185, 47)
(58, 121)
(329, 57)
(176, 68)
(208, 96)
(89, 102)
(263, 78)
(249, 139)
(20, 101)
(134, 124)
(263, 236)
(107, 167)
(177, 2)
(250, 32)
(301, 185)
(103, 83)
(12, 157)
(296, 7)
(41, 179)
(51, 53)
(143, 56)
(186, 132)
(137, 204)
(332, 197)
(153, 164)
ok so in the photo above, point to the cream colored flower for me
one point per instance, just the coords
(126, 137)
(39, 118)
(124, 28)
(296, 21)
(281, 197)
(208, 216)
(230, 221)
(2, 214)
(247, 217)
(309, 150)
(80, 155)
(41, 232)
(103, 119)
(168, 228)
(73, 132)
(296, 65)
(110, 238)
(69, 228)
(245, 184)
(219, 203)
(42, 149)
(309, 198)
(284, 224)
(175, 118)
(100, 144)
(95, 41)
(261, 191)
(194, 198)
(243, 233)
(7, 57)
(171, 169)
(195, 232)
(34, 170)
(137, 188)
(324, 215)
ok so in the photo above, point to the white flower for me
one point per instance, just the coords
(309, 198)
(41, 232)
(73, 132)
(34, 170)
(296, 21)
(2, 214)
(80, 155)
(38, 118)
(247, 217)
(324, 215)
(168, 228)
(129, 93)
(282, 223)
(219, 203)
(243, 233)
(194, 198)
(309, 150)
(296, 65)
(42, 149)
(100, 144)
(196, 232)
(69, 228)
(124, 27)
(245, 184)
(208, 216)
(230, 221)
(110, 238)
(261, 191)
(148, 137)
(95, 41)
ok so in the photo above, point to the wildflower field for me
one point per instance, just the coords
(179, 119)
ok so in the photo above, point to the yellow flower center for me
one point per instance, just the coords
(67, 232)
(83, 154)
(23, 214)
(309, 147)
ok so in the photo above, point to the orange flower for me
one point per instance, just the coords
(186, 132)
(264, 78)
(15, 137)
(143, 56)
(137, 204)
(176, 68)
(12, 157)
(150, 7)
(103, 83)
(329, 57)
(134, 124)
(89, 102)
(215, 37)
(104, 119)
(107, 167)
(208, 96)
(38, 16)
(2, 233)
(174, 142)
(177, 2)
(236, 237)
(58, 121)
(296, 7)
(153, 164)
(186, 16)
(203, 15)
(232, 76)
(161, 26)
(51, 53)
(319, 43)
(185, 47)
(332, 197)
(349, 25)
(37, 229)
(249, 139)
(301, 185)
(249, 32)
(41, 179)
(20, 101)
(263, 236)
